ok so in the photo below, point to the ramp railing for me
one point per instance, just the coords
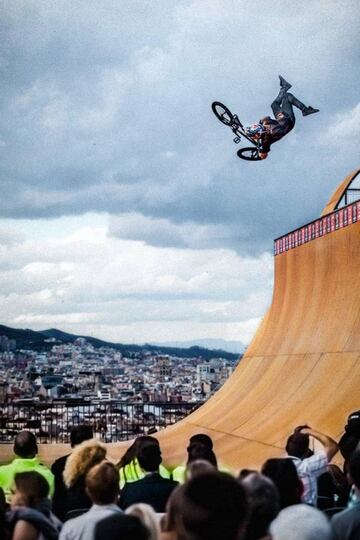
(320, 227)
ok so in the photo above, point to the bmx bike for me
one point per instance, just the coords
(249, 153)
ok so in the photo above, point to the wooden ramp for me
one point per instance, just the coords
(303, 365)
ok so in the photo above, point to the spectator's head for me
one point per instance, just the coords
(201, 438)
(30, 488)
(245, 472)
(102, 483)
(149, 457)
(264, 504)
(298, 445)
(353, 424)
(354, 469)
(198, 451)
(347, 446)
(121, 526)
(283, 473)
(351, 438)
(147, 516)
(199, 466)
(80, 433)
(84, 456)
(134, 449)
(212, 506)
(301, 522)
(25, 445)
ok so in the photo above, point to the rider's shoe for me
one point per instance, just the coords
(284, 84)
(309, 110)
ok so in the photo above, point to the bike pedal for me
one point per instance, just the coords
(237, 140)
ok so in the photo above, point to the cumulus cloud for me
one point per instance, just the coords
(345, 125)
(164, 233)
(131, 291)
(10, 236)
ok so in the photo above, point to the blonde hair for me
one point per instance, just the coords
(83, 457)
(148, 518)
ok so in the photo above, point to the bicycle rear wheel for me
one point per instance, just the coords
(249, 153)
(222, 113)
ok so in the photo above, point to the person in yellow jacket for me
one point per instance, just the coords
(129, 468)
(25, 448)
(200, 448)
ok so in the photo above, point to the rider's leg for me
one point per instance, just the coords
(287, 103)
(291, 100)
(276, 104)
(295, 102)
(284, 84)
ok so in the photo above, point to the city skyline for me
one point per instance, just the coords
(125, 211)
(121, 392)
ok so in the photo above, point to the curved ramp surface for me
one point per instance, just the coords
(303, 365)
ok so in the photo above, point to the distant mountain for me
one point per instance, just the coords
(236, 347)
(38, 341)
(25, 339)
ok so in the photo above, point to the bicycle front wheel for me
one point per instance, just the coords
(222, 113)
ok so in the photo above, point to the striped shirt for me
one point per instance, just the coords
(309, 469)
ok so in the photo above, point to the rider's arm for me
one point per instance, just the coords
(263, 155)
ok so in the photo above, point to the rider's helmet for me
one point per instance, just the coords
(255, 130)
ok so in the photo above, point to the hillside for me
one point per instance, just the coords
(29, 339)
(25, 338)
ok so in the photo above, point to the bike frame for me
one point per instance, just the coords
(232, 121)
(239, 132)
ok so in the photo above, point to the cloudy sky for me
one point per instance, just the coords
(125, 212)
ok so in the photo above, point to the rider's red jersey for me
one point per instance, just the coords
(275, 130)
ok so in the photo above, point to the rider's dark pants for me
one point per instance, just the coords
(284, 103)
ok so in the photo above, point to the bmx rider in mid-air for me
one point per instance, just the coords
(270, 130)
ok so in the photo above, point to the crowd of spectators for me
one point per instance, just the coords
(299, 496)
